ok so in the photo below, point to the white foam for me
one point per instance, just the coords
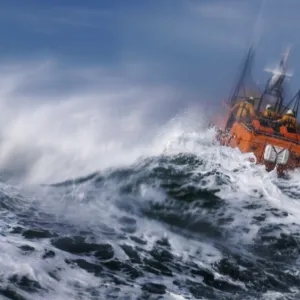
(100, 120)
(79, 131)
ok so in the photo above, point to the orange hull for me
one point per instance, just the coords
(280, 151)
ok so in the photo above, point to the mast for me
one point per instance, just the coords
(296, 100)
(246, 71)
(235, 94)
(276, 92)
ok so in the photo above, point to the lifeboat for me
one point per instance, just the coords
(273, 145)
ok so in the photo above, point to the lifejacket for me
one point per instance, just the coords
(289, 121)
(244, 109)
(269, 114)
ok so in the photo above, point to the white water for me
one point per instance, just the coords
(73, 133)
(58, 122)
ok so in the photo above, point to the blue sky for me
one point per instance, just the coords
(194, 45)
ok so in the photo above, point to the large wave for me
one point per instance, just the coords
(143, 202)
(59, 122)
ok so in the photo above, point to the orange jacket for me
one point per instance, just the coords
(269, 114)
(244, 109)
(288, 121)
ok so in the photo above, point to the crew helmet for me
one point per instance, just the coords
(269, 106)
(290, 112)
(250, 99)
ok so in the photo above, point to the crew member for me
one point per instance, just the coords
(245, 110)
(289, 121)
(269, 113)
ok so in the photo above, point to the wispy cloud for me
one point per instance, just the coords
(192, 45)
(185, 46)
(222, 11)
(54, 19)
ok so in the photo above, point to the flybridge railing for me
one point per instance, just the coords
(276, 135)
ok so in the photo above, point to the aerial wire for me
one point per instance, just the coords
(258, 26)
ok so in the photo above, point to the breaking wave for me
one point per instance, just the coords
(134, 207)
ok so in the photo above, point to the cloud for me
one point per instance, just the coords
(189, 45)
(223, 11)
(187, 21)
